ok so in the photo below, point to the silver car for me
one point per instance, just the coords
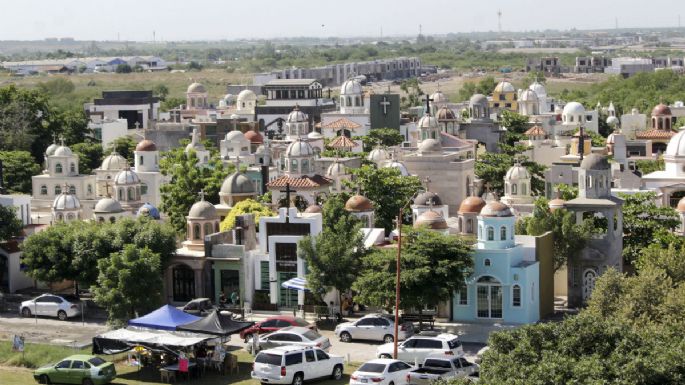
(376, 327)
(290, 336)
(60, 306)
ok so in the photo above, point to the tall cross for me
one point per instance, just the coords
(581, 143)
(287, 192)
(202, 194)
(385, 103)
(428, 104)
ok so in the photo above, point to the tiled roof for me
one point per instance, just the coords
(303, 182)
(342, 123)
(536, 131)
(655, 134)
(342, 142)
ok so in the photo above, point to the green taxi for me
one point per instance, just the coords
(78, 369)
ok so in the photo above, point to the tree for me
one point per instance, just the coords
(642, 221)
(387, 137)
(172, 102)
(194, 66)
(535, 76)
(24, 120)
(18, 168)
(516, 124)
(388, 189)
(569, 238)
(492, 167)
(646, 166)
(413, 90)
(89, 156)
(333, 256)
(433, 266)
(485, 86)
(47, 255)
(124, 146)
(123, 69)
(187, 180)
(248, 206)
(161, 91)
(10, 225)
(123, 277)
(57, 86)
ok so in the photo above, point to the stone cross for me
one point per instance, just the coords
(287, 192)
(385, 103)
(137, 124)
(202, 194)
(427, 182)
(428, 104)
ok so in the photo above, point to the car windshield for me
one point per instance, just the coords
(96, 361)
(301, 322)
(312, 335)
(437, 363)
(372, 368)
(268, 358)
(453, 344)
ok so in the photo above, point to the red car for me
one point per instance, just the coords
(274, 323)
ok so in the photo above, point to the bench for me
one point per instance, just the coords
(420, 318)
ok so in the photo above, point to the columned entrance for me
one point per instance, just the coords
(489, 297)
(589, 277)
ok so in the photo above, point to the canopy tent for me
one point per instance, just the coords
(165, 318)
(121, 340)
(217, 324)
(296, 283)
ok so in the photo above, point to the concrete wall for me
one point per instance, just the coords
(544, 253)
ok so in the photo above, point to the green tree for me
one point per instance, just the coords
(485, 86)
(18, 168)
(492, 167)
(161, 91)
(47, 254)
(646, 166)
(569, 238)
(187, 180)
(388, 189)
(535, 76)
(248, 206)
(89, 156)
(57, 86)
(516, 124)
(171, 103)
(24, 121)
(387, 137)
(333, 256)
(124, 146)
(413, 90)
(123, 69)
(10, 225)
(642, 221)
(121, 280)
(433, 266)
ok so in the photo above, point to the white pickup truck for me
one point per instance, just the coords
(441, 366)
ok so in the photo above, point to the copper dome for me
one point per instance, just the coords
(496, 209)
(146, 145)
(313, 209)
(254, 137)
(661, 110)
(358, 203)
(471, 205)
(432, 220)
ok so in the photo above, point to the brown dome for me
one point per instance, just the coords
(313, 209)
(423, 198)
(661, 110)
(146, 145)
(432, 220)
(681, 205)
(445, 113)
(471, 205)
(254, 137)
(496, 209)
(358, 203)
(556, 204)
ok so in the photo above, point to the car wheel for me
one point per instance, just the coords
(385, 356)
(388, 338)
(345, 337)
(62, 315)
(337, 373)
(247, 337)
(26, 312)
(87, 381)
(44, 379)
(298, 379)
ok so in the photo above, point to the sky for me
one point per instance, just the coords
(235, 19)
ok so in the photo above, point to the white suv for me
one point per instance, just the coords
(418, 347)
(295, 364)
(378, 327)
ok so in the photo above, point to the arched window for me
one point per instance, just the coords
(513, 189)
(487, 262)
(357, 102)
(468, 184)
(469, 226)
(121, 194)
(349, 101)
(208, 228)
(197, 231)
(140, 160)
(101, 219)
(293, 165)
(60, 217)
(72, 189)
(524, 189)
(43, 190)
(70, 217)
(112, 219)
(58, 190)
(90, 189)
(131, 194)
(58, 168)
(216, 227)
(503, 233)
(516, 296)
(491, 233)
(305, 165)
(72, 167)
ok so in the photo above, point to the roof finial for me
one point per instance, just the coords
(202, 194)
(427, 182)
(237, 163)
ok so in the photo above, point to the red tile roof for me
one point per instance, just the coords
(655, 134)
(342, 123)
(535, 131)
(342, 142)
(303, 182)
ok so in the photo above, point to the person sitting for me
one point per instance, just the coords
(222, 299)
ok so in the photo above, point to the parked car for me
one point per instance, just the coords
(295, 364)
(273, 324)
(376, 327)
(52, 305)
(441, 366)
(78, 369)
(293, 335)
(479, 354)
(418, 347)
(198, 306)
(381, 371)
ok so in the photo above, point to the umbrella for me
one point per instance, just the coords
(296, 283)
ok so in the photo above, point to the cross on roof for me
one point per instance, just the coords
(385, 103)
(201, 194)
(237, 163)
(428, 103)
(427, 182)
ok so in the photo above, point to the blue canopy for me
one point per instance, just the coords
(165, 318)
(296, 283)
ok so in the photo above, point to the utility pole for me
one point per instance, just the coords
(397, 285)
(499, 20)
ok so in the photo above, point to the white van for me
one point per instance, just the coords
(295, 364)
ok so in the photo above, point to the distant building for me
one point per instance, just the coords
(548, 65)
(591, 64)
(282, 95)
(137, 107)
(627, 67)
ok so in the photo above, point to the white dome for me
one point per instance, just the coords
(335, 169)
(504, 87)
(299, 148)
(108, 205)
(229, 98)
(478, 99)
(297, 116)
(429, 145)
(427, 121)
(517, 172)
(574, 108)
(528, 96)
(126, 177)
(314, 135)
(378, 155)
(63, 151)
(197, 146)
(676, 146)
(612, 121)
(196, 88)
(235, 136)
(51, 149)
(246, 96)
(114, 162)
(439, 98)
(538, 88)
(351, 87)
(66, 201)
(398, 165)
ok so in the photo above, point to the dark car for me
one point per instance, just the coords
(274, 323)
(198, 306)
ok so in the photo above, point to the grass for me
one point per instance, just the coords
(13, 370)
